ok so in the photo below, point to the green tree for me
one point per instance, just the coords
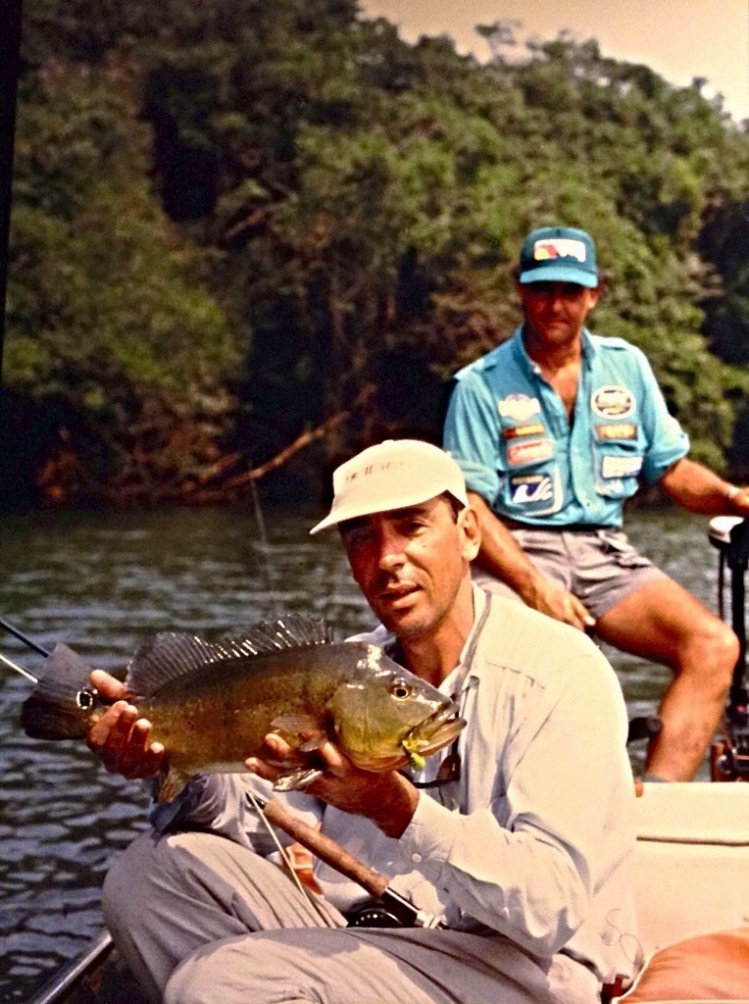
(351, 207)
(115, 355)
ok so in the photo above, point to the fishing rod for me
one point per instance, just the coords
(27, 641)
(24, 638)
(19, 669)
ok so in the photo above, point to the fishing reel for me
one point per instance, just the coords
(373, 915)
(391, 910)
(730, 758)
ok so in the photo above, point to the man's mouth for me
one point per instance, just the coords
(397, 595)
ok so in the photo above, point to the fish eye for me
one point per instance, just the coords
(400, 690)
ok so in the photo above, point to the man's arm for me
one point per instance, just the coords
(502, 557)
(696, 488)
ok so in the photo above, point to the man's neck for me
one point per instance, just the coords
(435, 656)
(553, 358)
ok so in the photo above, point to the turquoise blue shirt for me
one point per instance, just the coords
(508, 429)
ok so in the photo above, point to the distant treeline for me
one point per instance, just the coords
(249, 237)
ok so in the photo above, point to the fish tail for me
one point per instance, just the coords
(58, 709)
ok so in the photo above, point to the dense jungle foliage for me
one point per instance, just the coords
(241, 228)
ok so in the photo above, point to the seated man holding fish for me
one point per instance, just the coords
(514, 835)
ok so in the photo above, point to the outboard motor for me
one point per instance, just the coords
(730, 756)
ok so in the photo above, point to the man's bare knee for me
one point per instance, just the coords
(709, 654)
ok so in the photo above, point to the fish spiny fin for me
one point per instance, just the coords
(168, 656)
(292, 631)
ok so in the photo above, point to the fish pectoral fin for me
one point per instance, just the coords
(294, 726)
(311, 744)
(171, 782)
(299, 778)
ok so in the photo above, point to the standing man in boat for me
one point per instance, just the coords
(517, 839)
(552, 430)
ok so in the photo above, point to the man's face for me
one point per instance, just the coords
(410, 563)
(555, 312)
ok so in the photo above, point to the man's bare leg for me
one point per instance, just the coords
(665, 623)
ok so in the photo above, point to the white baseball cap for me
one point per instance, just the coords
(392, 475)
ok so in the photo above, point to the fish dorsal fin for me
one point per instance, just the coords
(168, 656)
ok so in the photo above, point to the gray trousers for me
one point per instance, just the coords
(202, 920)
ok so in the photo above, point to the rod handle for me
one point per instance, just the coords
(326, 849)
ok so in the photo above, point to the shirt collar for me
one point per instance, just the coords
(392, 647)
(525, 361)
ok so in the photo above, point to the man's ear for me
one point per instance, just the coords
(468, 525)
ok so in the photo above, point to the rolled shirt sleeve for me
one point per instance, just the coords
(472, 432)
(667, 441)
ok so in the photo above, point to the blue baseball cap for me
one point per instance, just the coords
(559, 254)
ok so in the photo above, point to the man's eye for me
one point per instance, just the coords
(356, 538)
(412, 526)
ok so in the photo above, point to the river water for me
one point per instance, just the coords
(102, 582)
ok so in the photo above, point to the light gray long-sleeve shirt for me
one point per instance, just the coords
(535, 839)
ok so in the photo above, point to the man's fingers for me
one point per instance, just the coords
(588, 620)
(140, 758)
(276, 755)
(110, 688)
(114, 726)
(334, 760)
(121, 739)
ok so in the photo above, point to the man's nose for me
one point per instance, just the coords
(390, 549)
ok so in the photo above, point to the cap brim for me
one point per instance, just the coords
(330, 520)
(363, 508)
(559, 273)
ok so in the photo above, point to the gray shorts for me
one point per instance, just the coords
(599, 566)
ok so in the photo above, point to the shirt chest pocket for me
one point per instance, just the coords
(618, 459)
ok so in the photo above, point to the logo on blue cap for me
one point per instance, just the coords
(559, 254)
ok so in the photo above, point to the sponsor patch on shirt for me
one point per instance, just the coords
(616, 430)
(519, 431)
(613, 402)
(519, 407)
(621, 467)
(526, 489)
(529, 453)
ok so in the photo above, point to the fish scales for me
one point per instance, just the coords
(253, 694)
